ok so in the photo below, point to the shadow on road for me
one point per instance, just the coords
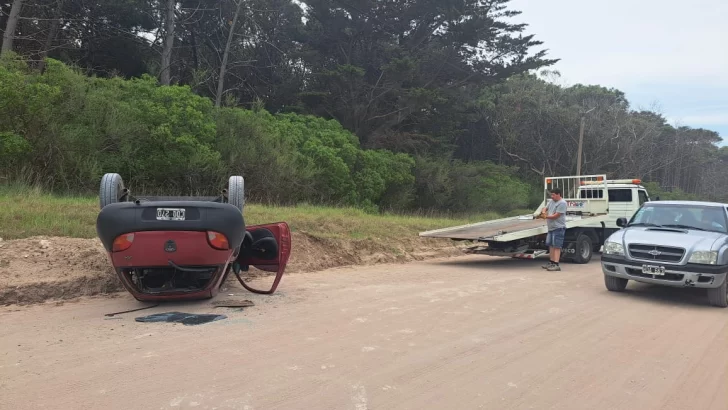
(506, 264)
(664, 295)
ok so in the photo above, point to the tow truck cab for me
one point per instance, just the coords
(626, 196)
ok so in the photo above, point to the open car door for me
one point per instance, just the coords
(265, 247)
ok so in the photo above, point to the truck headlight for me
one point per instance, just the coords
(613, 248)
(704, 257)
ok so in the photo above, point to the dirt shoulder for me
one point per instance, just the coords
(50, 249)
(42, 268)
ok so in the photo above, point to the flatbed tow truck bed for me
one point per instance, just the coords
(507, 229)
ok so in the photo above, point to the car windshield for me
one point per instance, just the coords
(695, 217)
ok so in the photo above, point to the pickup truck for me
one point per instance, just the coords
(594, 204)
(671, 243)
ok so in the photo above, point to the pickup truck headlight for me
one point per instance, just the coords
(613, 248)
(704, 257)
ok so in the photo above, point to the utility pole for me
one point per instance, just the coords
(581, 142)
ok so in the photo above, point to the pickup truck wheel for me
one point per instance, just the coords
(111, 189)
(719, 296)
(615, 284)
(236, 192)
(584, 249)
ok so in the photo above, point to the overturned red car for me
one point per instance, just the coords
(182, 248)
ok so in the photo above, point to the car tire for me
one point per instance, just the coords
(719, 296)
(584, 249)
(615, 284)
(112, 187)
(236, 192)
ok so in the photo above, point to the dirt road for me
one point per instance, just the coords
(461, 333)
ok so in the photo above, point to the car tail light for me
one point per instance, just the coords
(123, 242)
(217, 240)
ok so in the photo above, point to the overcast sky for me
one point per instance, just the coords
(669, 52)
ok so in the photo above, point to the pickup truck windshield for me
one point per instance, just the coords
(695, 217)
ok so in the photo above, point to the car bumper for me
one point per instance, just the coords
(125, 217)
(677, 276)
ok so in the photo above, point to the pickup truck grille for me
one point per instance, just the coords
(656, 253)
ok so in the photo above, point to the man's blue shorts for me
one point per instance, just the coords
(555, 238)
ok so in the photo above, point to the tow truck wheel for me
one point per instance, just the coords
(615, 284)
(719, 296)
(584, 249)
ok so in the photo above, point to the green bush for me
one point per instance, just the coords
(70, 129)
(80, 127)
(14, 149)
(655, 190)
(274, 169)
(476, 187)
(63, 130)
(290, 158)
(484, 187)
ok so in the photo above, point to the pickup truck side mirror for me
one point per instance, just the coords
(622, 222)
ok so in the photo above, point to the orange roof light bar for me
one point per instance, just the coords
(614, 181)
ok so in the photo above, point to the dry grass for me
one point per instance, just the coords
(29, 212)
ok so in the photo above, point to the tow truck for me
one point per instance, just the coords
(594, 204)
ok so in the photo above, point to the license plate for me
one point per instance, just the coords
(170, 214)
(653, 270)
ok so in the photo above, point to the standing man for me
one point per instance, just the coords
(555, 215)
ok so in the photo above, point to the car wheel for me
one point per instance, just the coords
(112, 187)
(719, 296)
(615, 284)
(236, 192)
(584, 249)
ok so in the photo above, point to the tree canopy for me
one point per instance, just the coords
(457, 96)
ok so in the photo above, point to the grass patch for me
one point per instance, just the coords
(29, 212)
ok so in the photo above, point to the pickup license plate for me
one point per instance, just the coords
(653, 270)
(170, 214)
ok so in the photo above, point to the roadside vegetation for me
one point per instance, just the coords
(462, 116)
(29, 212)
(55, 234)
